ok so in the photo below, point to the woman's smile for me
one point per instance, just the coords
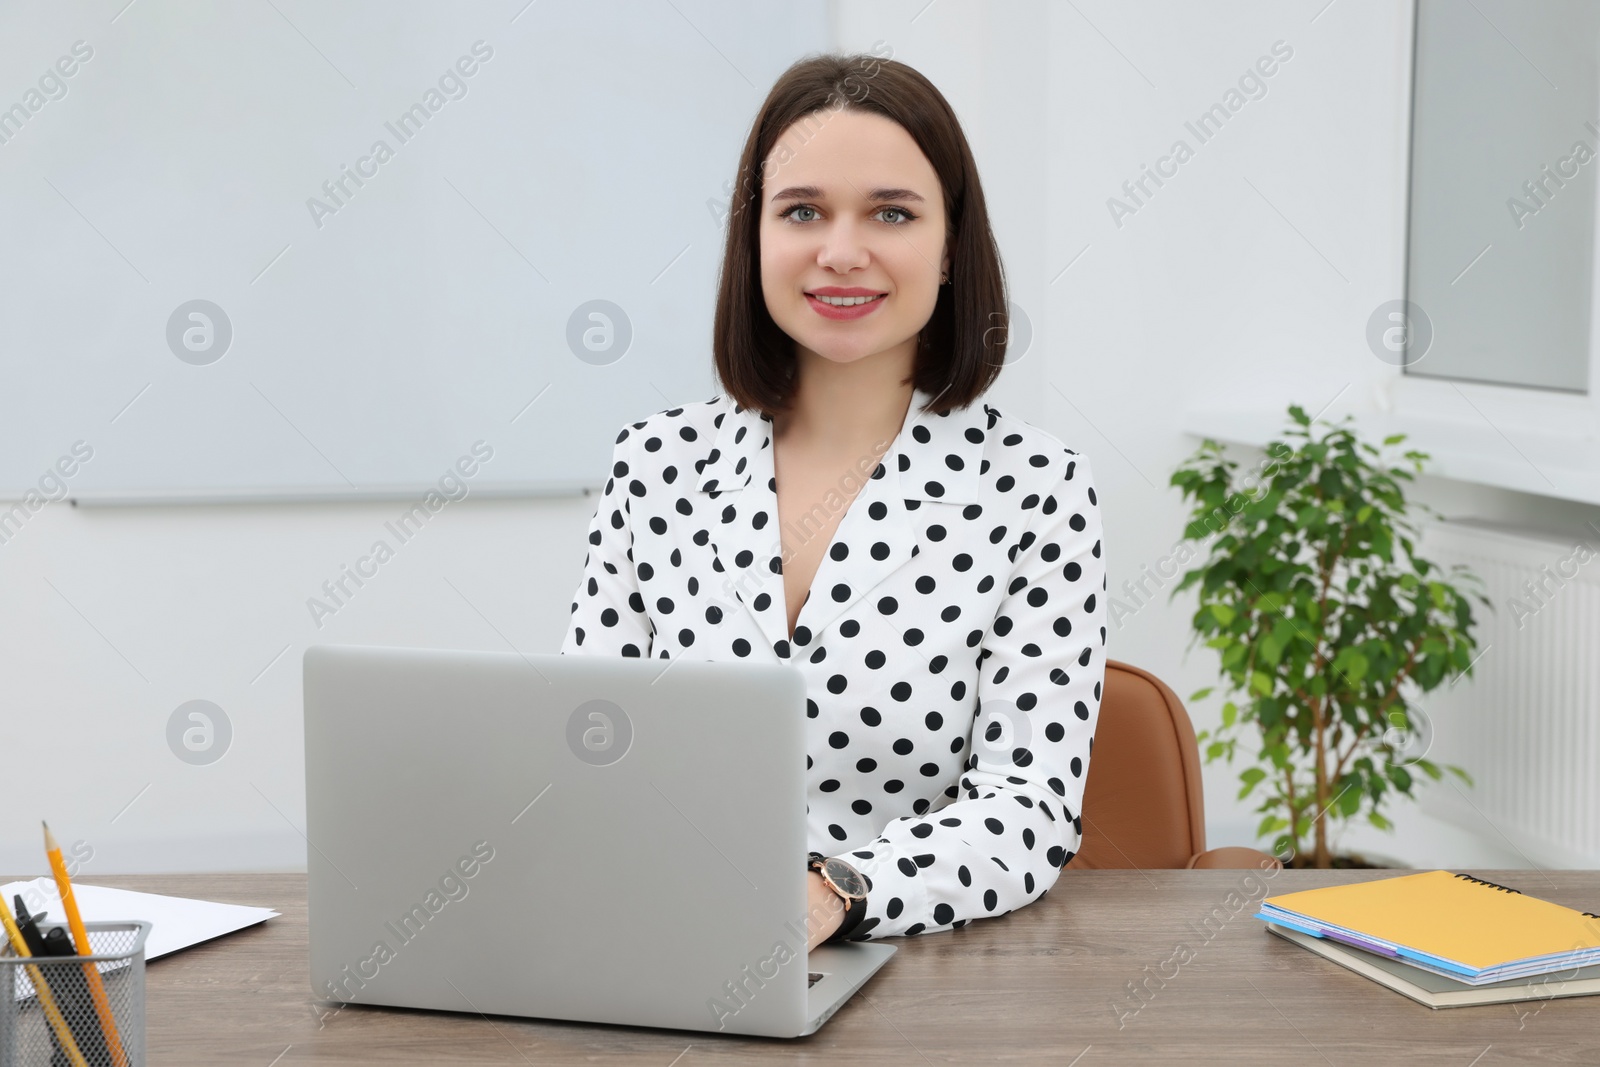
(843, 308)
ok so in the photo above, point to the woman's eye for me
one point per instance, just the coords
(789, 214)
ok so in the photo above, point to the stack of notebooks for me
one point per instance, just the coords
(1444, 939)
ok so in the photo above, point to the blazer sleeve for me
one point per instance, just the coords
(608, 611)
(1017, 817)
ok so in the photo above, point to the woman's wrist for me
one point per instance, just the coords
(826, 908)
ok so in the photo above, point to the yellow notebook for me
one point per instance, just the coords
(1452, 924)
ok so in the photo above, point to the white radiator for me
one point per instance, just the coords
(1526, 725)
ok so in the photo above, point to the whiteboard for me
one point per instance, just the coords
(285, 249)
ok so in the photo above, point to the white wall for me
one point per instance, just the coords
(1206, 294)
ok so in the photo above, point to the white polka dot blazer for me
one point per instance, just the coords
(952, 644)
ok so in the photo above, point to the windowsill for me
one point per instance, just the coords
(1564, 465)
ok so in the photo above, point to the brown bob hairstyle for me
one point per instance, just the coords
(962, 347)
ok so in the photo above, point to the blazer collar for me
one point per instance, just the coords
(935, 458)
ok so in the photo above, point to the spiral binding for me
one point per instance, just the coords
(1491, 885)
(1508, 889)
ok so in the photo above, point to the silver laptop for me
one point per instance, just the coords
(590, 838)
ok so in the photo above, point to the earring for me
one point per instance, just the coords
(944, 279)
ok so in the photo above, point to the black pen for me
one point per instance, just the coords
(71, 991)
(29, 925)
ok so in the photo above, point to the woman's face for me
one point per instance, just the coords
(850, 203)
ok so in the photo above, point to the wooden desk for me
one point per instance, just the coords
(1049, 984)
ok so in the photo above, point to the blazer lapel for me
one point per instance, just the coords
(876, 536)
(741, 508)
(933, 459)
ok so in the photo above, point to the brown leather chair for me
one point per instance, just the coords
(1143, 805)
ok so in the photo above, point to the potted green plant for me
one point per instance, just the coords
(1326, 622)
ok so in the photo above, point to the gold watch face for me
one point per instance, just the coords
(846, 877)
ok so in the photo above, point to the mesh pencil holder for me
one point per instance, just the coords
(31, 1025)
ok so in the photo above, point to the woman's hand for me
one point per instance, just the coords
(824, 910)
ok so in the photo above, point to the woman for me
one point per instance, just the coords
(932, 566)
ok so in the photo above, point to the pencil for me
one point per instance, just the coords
(80, 935)
(46, 1001)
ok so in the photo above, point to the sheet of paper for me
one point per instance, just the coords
(176, 922)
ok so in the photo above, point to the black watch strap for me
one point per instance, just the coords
(852, 919)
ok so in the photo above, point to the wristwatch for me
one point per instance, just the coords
(846, 881)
